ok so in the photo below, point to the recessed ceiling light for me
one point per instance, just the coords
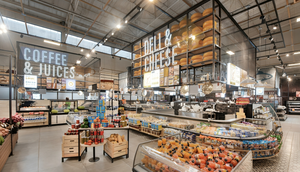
(275, 27)
(81, 50)
(78, 62)
(230, 52)
(126, 21)
(287, 55)
(118, 26)
(298, 19)
(112, 33)
(88, 55)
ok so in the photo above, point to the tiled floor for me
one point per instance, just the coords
(39, 149)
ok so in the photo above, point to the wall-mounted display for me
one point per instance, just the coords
(233, 74)
(260, 91)
(70, 84)
(30, 81)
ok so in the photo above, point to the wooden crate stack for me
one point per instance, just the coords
(116, 148)
(70, 146)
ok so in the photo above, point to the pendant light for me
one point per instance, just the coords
(247, 81)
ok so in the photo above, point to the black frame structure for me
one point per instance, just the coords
(215, 46)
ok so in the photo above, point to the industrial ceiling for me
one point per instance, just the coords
(98, 20)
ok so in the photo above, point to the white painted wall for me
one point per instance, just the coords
(4, 106)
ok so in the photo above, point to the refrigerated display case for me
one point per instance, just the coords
(60, 109)
(154, 156)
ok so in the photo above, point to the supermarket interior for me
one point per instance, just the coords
(149, 85)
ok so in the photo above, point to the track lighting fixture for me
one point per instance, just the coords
(271, 38)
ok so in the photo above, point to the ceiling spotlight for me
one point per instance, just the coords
(126, 21)
(297, 53)
(81, 50)
(268, 57)
(284, 74)
(88, 55)
(78, 62)
(271, 38)
(275, 27)
(276, 51)
(289, 79)
(277, 57)
(230, 52)
(298, 19)
(73, 67)
(118, 26)
(113, 57)
(93, 50)
(257, 59)
(287, 55)
(120, 58)
(112, 33)
(274, 47)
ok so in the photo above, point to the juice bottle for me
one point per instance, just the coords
(159, 142)
(164, 140)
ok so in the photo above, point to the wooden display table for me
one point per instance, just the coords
(94, 159)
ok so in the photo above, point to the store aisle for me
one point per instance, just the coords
(39, 150)
(288, 158)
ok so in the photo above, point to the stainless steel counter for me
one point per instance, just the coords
(195, 117)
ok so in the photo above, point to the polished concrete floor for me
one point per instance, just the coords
(39, 149)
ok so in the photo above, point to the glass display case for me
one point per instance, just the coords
(166, 154)
(60, 109)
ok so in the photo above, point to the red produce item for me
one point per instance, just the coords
(228, 166)
(234, 162)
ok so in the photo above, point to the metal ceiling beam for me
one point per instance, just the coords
(24, 16)
(93, 23)
(70, 12)
(56, 24)
(166, 13)
(249, 8)
(235, 23)
(68, 20)
(274, 4)
(288, 52)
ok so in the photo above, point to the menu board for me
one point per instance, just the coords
(233, 75)
(147, 80)
(155, 78)
(243, 75)
(30, 81)
(70, 84)
(161, 77)
(56, 83)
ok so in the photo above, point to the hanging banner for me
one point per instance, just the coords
(43, 62)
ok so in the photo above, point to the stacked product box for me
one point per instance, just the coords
(91, 120)
(100, 109)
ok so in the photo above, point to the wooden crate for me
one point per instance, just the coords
(117, 149)
(69, 147)
(5, 150)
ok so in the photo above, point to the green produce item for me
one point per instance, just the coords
(81, 107)
(82, 126)
(1, 140)
(86, 123)
(85, 120)
(76, 110)
(66, 110)
(86, 126)
(54, 111)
